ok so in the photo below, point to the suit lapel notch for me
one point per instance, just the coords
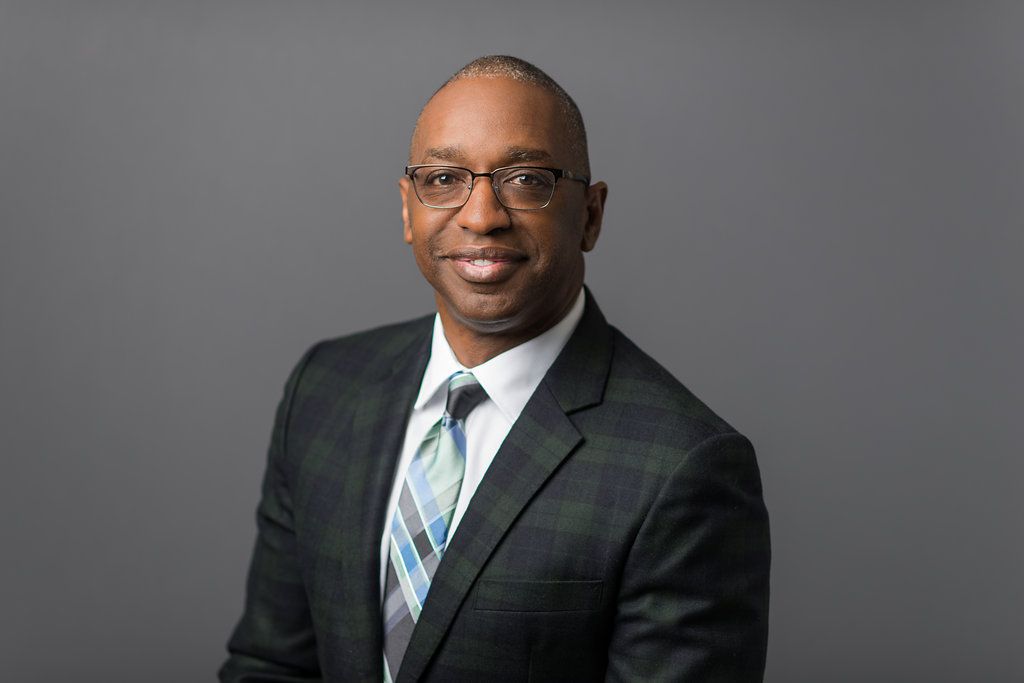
(578, 376)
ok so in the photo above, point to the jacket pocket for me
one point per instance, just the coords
(538, 596)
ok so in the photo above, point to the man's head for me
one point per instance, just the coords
(513, 68)
(501, 112)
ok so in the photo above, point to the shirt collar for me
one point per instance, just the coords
(510, 378)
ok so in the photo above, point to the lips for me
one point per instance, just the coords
(485, 265)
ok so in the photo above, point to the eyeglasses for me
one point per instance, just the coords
(516, 187)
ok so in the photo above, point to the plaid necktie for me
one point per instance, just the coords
(419, 530)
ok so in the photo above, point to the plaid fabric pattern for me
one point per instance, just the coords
(619, 535)
(419, 529)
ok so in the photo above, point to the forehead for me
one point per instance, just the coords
(490, 121)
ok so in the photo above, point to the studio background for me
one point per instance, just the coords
(815, 221)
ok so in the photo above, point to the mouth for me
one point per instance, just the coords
(485, 265)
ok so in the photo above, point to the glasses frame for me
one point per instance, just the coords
(559, 173)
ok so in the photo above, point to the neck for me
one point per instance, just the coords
(474, 344)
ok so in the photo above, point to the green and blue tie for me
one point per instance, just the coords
(419, 530)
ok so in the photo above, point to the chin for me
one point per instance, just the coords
(486, 314)
(487, 322)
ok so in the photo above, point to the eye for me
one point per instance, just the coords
(440, 178)
(527, 178)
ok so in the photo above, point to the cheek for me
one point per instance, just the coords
(559, 243)
(425, 239)
(418, 233)
(422, 252)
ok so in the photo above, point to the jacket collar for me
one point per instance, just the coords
(539, 441)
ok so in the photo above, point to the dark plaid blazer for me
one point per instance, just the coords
(619, 534)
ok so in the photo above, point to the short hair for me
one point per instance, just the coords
(516, 69)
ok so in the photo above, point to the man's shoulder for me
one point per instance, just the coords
(364, 354)
(374, 345)
(640, 389)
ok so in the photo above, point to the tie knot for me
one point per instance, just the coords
(464, 394)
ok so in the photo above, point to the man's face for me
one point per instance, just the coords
(534, 258)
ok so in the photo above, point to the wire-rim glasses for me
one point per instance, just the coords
(527, 188)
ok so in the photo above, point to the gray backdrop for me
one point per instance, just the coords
(815, 221)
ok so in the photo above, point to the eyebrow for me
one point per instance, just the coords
(515, 155)
(449, 153)
(526, 154)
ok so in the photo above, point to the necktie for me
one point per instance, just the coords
(419, 530)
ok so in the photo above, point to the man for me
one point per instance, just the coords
(573, 513)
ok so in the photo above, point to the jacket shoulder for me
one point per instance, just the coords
(371, 348)
(334, 364)
(641, 391)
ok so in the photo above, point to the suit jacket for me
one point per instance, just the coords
(619, 534)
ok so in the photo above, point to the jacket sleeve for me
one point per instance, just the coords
(693, 602)
(274, 640)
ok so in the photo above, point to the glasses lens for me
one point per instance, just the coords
(524, 187)
(442, 187)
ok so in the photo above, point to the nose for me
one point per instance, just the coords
(483, 213)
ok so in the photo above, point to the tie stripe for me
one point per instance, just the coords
(419, 529)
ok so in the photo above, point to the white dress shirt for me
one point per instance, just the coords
(509, 379)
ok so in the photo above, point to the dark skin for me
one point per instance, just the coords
(500, 277)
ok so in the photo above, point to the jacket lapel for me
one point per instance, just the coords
(367, 452)
(539, 441)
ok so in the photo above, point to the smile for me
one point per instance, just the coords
(485, 265)
(484, 270)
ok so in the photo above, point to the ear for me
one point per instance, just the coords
(594, 208)
(405, 188)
